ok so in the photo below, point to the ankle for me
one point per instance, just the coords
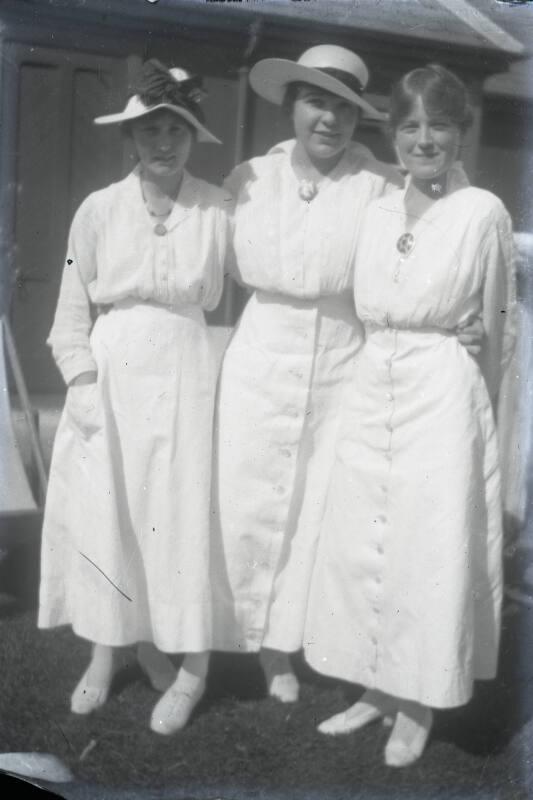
(275, 660)
(100, 670)
(196, 665)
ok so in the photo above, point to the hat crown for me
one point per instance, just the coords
(330, 56)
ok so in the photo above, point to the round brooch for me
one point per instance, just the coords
(307, 190)
(405, 243)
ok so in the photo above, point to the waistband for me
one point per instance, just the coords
(185, 309)
(375, 327)
(333, 305)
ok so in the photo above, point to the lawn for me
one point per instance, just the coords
(241, 744)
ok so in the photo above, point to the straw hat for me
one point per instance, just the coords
(161, 88)
(332, 68)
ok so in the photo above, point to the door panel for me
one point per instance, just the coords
(61, 156)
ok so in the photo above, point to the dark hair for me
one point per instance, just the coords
(291, 94)
(441, 92)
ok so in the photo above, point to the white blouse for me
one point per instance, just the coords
(294, 247)
(117, 251)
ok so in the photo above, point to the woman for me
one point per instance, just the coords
(288, 360)
(125, 539)
(406, 593)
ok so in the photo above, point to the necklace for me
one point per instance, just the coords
(158, 215)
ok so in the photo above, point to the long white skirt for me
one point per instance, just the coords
(125, 548)
(277, 415)
(407, 588)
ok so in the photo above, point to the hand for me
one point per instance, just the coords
(83, 379)
(83, 405)
(470, 335)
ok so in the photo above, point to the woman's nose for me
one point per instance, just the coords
(424, 138)
(329, 117)
(164, 142)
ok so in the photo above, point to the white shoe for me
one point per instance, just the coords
(372, 706)
(284, 687)
(282, 683)
(173, 710)
(86, 699)
(409, 736)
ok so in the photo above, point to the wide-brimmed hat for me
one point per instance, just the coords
(160, 88)
(332, 68)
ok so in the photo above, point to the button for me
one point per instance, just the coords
(382, 518)
(380, 549)
(285, 452)
(390, 396)
(160, 229)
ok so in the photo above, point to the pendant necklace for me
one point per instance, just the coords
(160, 228)
(406, 241)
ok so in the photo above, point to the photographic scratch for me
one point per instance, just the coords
(87, 749)
(105, 576)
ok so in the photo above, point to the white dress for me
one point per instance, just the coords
(406, 592)
(279, 389)
(125, 548)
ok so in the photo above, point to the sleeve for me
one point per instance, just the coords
(69, 337)
(233, 184)
(499, 301)
(211, 297)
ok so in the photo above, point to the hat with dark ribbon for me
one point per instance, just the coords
(329, 67)
(160, 88)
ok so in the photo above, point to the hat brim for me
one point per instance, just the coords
(136, 109)
(269, 79)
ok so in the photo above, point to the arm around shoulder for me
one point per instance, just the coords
(499, 299)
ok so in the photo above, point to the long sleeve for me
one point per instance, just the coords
(499, 301)
(214, 282)
(69, 337)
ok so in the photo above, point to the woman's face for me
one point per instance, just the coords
(163, 142)
(323, 123)
(427, 144)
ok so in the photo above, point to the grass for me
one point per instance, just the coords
(241, 744)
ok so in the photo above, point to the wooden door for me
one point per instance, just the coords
(57, 157)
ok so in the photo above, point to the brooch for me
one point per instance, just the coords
(405, 243)
(307, 190)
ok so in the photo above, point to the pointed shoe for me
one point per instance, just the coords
(359, 715)
(174, 709)
(85, 699)
(408, 739)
